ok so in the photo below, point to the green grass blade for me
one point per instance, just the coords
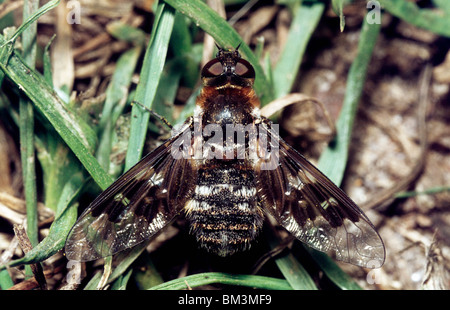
(341, 279)
(116, 92)
(58, 165)
(297, 276)
(429, 191)
(338, 7)
(259, 282)
(7, 20)
(124, 32)
(224, 35)
(183, 48)
(121, 282)
(443, 4)
(429, 19)
(306, 18)
(92, 284)
(5, 53)
(152, 67)
(26, 126)
(46, 59)
(167, 90)
(145, 277)
(123, 260)
(5, 280)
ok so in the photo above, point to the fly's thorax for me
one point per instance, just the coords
(228, 106)
(225, 125)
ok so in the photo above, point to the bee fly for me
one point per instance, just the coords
(225, 169)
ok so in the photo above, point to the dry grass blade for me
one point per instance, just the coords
(62, 54)
(106, 273)
(295, 98)
(18, 206)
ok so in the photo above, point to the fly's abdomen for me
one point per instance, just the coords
(223, 212)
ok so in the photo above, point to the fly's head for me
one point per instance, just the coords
(228, 69)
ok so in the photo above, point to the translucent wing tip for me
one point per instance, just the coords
(359, 244)
(84, 242)
(80, 250)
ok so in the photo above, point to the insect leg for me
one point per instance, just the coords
(159, 117)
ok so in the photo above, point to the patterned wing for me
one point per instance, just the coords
(135, 207)
(312, 208)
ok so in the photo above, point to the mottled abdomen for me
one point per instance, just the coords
(223, 212)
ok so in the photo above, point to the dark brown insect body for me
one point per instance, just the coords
(224, 212)
(225, 169)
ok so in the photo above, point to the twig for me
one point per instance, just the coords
(26, 246)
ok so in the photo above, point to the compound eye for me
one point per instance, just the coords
(244, 69)
(212, 69)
